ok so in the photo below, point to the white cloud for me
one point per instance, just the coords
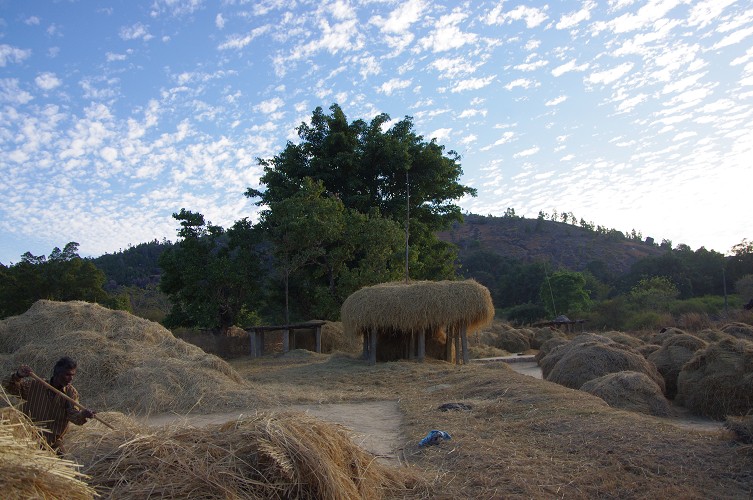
(610, 75)
(12, 54)
(269, 106)
(219, 21)
(531, 15)
(400, 19)
(112, 57)
(451, 67)
(735, 37)
(137, 31)
(441, 135)
(447, 35)
(109, 154)
(392, 85)
(473, 84)
(11, 93)
(469, 113)
(526, 152)
(704, 12)
(568, 67)
(524, 83)
(240, 41)
(31, 21)
(47, 81)
(567, 21)
(556, 101)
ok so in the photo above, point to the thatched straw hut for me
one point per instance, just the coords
(672, 356)
(718, 380)
(631, 391)
(408, 316)
(266, 455)
(29, 468)
(125, 362)
(591, 360)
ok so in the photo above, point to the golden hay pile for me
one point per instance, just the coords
(548, 346)
(541, 335)
(741, 427)
(710, 335)
(631, 391)
(672, 356)
(124, 362)
(285, 455)
(590, 360)
(501, 336)
(557, 349)
(418, 306)
(739, 330)
(718, 380)
(29, 468)
(647, 349)
(624, 339)
(659, 338)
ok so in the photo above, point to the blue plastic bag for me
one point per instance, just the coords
(434, 437)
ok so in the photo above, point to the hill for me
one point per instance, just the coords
(538, 240)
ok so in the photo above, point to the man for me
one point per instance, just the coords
(44, 406)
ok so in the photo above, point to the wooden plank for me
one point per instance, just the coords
(464, 340)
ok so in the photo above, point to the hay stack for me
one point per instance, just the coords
(29, 468)
(557, 352)
(631, 391)
(672, 356)
(502, 336)
(125, 362)
(540, 335)
(739, 330)
(397, 310)
(548, 346)
(624, 339)
(741, 427)
(718, 380)
(711, 336)
(659, 338)
(590, 360)
(286, 455)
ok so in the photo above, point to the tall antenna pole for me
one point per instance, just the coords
(407, 222)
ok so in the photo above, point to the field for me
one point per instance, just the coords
(522, 437)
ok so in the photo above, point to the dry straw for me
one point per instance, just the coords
(672, 356)
(718, 380)
(125, 363)
(418, 306)
(284, 455)
(29, 468)
(631, 391)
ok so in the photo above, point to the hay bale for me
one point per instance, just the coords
(540, 335)
(29, 468)
(125, 362)
(646, 349)
(711, 335)
(741, 427)
(285, 455)
(587, 361)
(672, 356)
(418, 306)
(548, 346)
(501, 336)
(629, 390)
(550, 360)
(739, 330)
(664, 334)
(718, 380)
(624, 339)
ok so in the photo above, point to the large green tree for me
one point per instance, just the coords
(212, 276)
(368, 166)
(62, 276)
(564, 293)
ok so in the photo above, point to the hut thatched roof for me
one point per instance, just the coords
(418, 306)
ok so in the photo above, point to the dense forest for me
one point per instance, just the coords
(333, 219)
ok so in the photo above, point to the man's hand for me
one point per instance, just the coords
(87, 413)
(23, 371)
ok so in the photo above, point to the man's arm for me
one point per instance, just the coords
(15, 383)
(78, 417)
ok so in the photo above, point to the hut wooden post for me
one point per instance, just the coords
(464, 340)
(412, 345)
(252, 342)
(372, 347)
(457, 347)
(448, 345)
(318, 336)
(421, 346)
(366, 337)
(260, 343)
(285, 340)
(292, 338)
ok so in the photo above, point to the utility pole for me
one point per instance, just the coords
(407, 223)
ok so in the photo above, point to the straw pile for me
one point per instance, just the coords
(29, 468)
(741, 427)
(125, 362)
(590, 360)
(647, 349)
(286, 455)
(624, 339)
(502, 336)
(540, 335)
(659, 338)
(739, 330)
(631, 391)
(672, 356)
(548, 346)
(718, 380)
(557, 351)
(710, 335)
(418, 306)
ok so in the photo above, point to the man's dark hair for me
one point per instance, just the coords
(64, 364)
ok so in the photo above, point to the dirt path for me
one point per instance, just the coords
(375, 425)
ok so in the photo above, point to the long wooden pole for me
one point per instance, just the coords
(64, 395)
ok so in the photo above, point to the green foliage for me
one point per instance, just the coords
(645, 320)
(564, 292)
(744, 286)
(211, 274)
(368, 168)
(135, 266)
(526, 313)
(654, 294)
(62, 276)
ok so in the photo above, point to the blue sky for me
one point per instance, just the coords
(630, 114)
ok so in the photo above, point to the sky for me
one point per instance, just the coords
(629, 114)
